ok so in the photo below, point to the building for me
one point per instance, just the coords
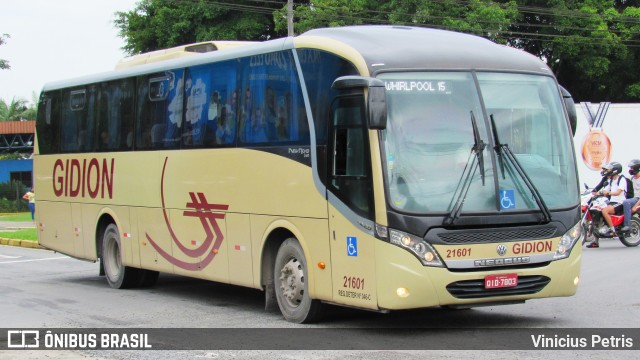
(16, 151)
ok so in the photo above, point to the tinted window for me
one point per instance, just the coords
(74, 115)
(48, 123)
(211, 105)
(115, 116)
(159, 110)
(320, 69)
(349, 170)
(272, 108)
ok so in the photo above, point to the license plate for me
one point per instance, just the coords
(500, 281)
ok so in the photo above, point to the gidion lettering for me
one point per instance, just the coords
(531, 247)
(83, 178)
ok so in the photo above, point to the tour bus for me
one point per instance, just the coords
(374, 167)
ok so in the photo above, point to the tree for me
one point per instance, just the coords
(593, 46)
(17, 109)
(4, 64)
(480, 17)
(159, 24)
(329, 13)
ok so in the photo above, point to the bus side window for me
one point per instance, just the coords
(48, 123)
(115, 120)
(350, 179)
(159, 111)
(221, 106)
(272, 106)
(74, 115)
(158, 92)
(320, 68)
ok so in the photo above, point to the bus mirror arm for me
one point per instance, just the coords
(376, 99)
(571, 109)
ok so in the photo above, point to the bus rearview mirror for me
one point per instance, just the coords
(571, 109)
(377, 106)
(376, 99)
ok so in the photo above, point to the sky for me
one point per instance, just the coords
(54, 40)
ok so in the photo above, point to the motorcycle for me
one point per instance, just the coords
(596, 228)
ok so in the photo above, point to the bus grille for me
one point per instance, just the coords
(472, 289)
(468, 237)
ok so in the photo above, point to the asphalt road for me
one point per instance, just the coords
(43, 289)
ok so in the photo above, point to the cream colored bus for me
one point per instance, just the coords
(373, 167)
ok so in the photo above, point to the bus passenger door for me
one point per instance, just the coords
(350, 205)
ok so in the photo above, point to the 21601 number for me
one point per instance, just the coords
(353, 282)
(461, 252)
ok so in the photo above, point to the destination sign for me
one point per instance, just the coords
(421, 86)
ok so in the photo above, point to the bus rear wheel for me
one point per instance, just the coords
(291, 286)
(118, 276)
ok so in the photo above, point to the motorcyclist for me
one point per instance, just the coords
(603, 182)
(631, 204)
(616, 190)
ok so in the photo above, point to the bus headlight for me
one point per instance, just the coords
(417, 246)
(568, 240)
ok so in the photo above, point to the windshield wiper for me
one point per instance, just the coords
(504, 151)
(467, 175)
(497, 148)
(478, 146)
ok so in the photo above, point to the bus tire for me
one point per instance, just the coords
(118, 276)
(291, 287)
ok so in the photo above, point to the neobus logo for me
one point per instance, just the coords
(502, 261)
(91, 177)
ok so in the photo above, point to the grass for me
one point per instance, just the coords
(22, 234)
(16, 217)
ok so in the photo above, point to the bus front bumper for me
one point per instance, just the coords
(404, 283)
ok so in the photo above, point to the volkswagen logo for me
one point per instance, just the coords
(502, 249)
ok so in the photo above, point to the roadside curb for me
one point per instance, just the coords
(21, 243)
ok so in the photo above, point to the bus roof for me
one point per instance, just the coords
(179, 60)
(178, 51)
(382, 47)
(400, 47)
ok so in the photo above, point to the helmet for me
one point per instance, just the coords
(612, 168)
(634, 166)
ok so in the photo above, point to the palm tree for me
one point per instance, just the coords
(17, 109)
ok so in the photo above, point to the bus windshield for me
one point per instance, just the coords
(430, 144)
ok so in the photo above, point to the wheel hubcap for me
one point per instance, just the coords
(292, 282)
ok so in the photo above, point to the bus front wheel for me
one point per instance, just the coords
(291, 285)
(118, 276)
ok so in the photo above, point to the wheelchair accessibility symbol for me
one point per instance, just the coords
(352, 246)
(507, 199)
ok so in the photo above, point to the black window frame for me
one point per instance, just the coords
(364, 182)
